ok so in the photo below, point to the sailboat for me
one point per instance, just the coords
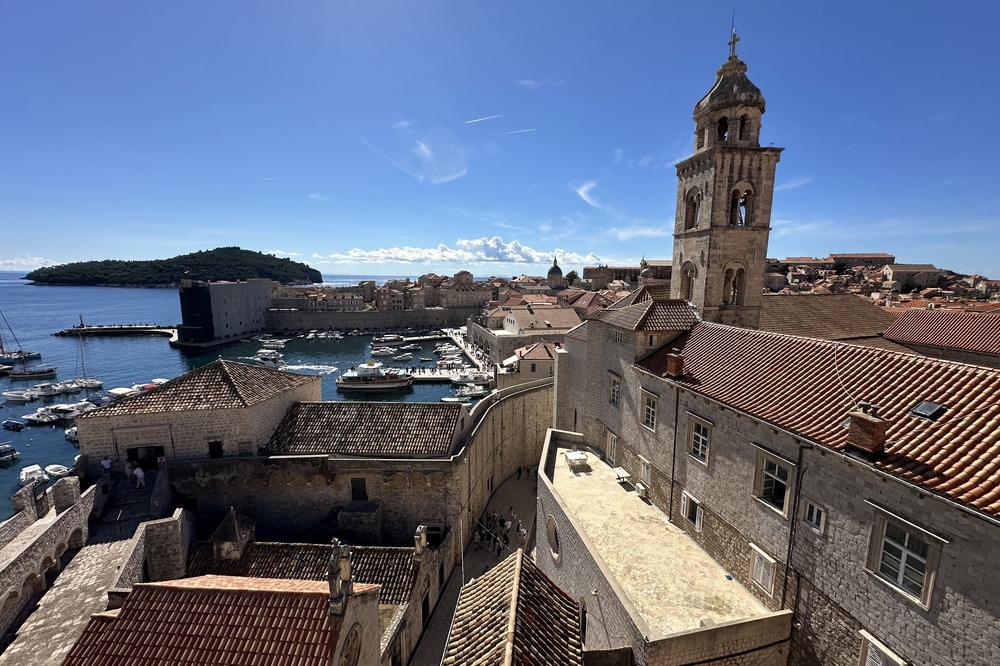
(21, 357)
(83, 381)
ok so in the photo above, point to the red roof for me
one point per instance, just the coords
(214, 620)
(808, 386)
(967, 331)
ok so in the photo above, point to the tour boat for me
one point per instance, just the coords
(8, 453)
(371, 376)
(382, 351)
(32, 473)
(269, 358)
(390, 339)
(33, 372)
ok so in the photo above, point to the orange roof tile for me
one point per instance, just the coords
(967, 331)
(514, 614)
(808, 386)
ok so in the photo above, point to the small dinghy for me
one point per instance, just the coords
(57, 471)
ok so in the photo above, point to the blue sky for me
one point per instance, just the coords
(405, 137)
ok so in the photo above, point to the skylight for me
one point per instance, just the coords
(931, 411)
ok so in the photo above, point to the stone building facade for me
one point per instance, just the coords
(218, 311)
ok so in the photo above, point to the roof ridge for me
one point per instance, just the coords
(508, 657)
(228, 378)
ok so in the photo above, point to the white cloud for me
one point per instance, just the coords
(269, 178)
(583, 191)
(435, 155)
(619, 156)
(529, 84)
(316, 196)
(466, 251)
(792, 184)
(637, 231)
(26, 263)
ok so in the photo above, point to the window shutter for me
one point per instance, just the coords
(698, 517)
(873, 657)
(767, 572)
(684, 505)
(758, 568)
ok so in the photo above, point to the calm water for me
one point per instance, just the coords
(35, 313)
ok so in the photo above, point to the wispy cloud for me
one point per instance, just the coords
(270, 178)
(282, 253)
(792, 184)
(470, 251)
(520, 131)
(316, 196)
(529, 84)
(479, 120)
(26, 263)
(434, 155)
(619, 156)
(583, 191)
(637, 231)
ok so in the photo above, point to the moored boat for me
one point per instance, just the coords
(8, 453)
(32, 372)
(382, 351)
(371, 376)
(56, 471)
(71, 435)
(403, 357)
(471, 377)
(12, 425)
(32, 473)
(21, 396)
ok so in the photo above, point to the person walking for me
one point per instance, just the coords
(129, 469)
(140, 478)
(106, 466)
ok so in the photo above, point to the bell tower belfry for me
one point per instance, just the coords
(724, 194)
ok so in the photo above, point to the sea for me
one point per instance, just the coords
(32, 314)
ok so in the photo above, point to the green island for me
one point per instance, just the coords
(224, 263)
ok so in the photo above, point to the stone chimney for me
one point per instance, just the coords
(339, 578)
(867, 431)
(231, 537)
(419, 543)
(675, 364)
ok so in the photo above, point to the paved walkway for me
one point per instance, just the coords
(80, 589)
(514, 492)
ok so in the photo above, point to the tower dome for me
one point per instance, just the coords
(554, 278)
(555, 271)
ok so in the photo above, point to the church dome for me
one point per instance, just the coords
(555, 271)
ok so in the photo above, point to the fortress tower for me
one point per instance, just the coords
(724, 194)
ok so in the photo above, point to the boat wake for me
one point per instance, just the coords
(321, 369)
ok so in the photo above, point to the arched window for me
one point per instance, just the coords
(727, 287)
(744, 128)
(741, 206)
(692, 209)
(739, 286)
(722, 129)
(687, 281)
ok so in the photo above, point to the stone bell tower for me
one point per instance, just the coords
(724, 196)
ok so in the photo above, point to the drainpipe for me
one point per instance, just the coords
(673, 455)
(800, 472)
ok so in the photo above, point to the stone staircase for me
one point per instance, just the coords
(125, 509)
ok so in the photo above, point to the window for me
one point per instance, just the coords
(612, 447)
(762, 569)
(215, 449)
(701, 437)
(644, 471)
(532, 368)
(649, 411)
(651, 341)
(873, 653)
(905, 556)
(772, 482)
(359, 490)
(815, 516)
(619, 337)
(691, 510)
(245, 448)
(616, 391)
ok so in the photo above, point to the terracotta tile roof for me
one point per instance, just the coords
(87, 645)
(215, 620)
(388, 567)
(643, 294)
(370, 429)
(967, 331)
(808, 386)
(650, 315)
(219, 385)
(540, 351)
(544, 319)
(514, 614)
(826, 316)
(912, 268)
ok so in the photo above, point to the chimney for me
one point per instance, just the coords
(339, 578)
(675, 364)
(419, 543)
(867, 431)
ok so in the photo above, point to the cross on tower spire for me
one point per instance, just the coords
(732, 44)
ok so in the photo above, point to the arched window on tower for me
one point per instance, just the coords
(687, 281)
(739, 286)
(692, 208)
(722, 129)
(744, 128)
(741, 207)
(727, 287)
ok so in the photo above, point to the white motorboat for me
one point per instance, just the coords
(465, 402)
(56, 471)
(472, 391)
(46, 390)
(274, 344)
(88, 382)
(471, 377)
(403, 357)
(32, 473)
(68, 387)
(70, 411)
(382, 351)
(21, 396)
(71, 435)
(411, 347)
(371, 376)
(268, 362)
(8, 453)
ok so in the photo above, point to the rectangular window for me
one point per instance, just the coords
(615, 391)
(245, 448)
(691, 510)
(762, 569)
(651, 341)
(532, 367)
(612, 446)
(359, 490)
(771, 482)
(619, 337)
(701, 437)
(904, 555)
(815, 516)
(649, 411)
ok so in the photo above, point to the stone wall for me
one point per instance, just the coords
(372, 320)
(760, 641)
(23, 503)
